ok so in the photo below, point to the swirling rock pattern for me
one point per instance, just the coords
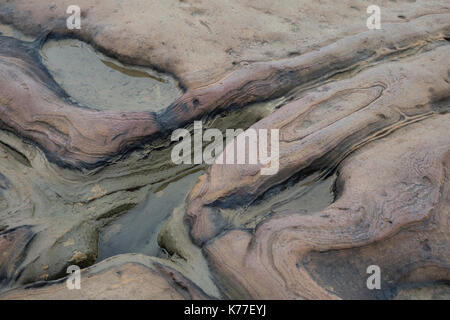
(127, 276)
(34, 106)
(395, 217)
(320, 129)
(393, 185)
(198, 40)
(12, 245)
(367, 107)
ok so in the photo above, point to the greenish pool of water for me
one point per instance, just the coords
(137, 230)
(99, 82)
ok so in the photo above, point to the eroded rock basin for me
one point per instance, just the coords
(97, 81)
(137, 230)
(363, 174)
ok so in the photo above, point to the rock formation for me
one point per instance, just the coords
(121, 277)
(363, 111)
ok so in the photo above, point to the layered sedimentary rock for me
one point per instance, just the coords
(198, 40)
(12, 245)
(34, 106)
(363, 111)
(393, 217)
(386, 130)
(121, 277)
(51, 217)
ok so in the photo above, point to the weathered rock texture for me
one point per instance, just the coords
(121, 277)
(390, 124)
(12, 246)
(50, 217)
(395, 217)
(198, 39)
(369, 107)
(323, 127)
(34, 107)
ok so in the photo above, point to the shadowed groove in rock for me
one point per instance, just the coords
(13, 243)
(304, 193)
(401, 225)
(368, 116)
(137, 230)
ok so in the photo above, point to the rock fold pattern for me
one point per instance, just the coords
(369, 109)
